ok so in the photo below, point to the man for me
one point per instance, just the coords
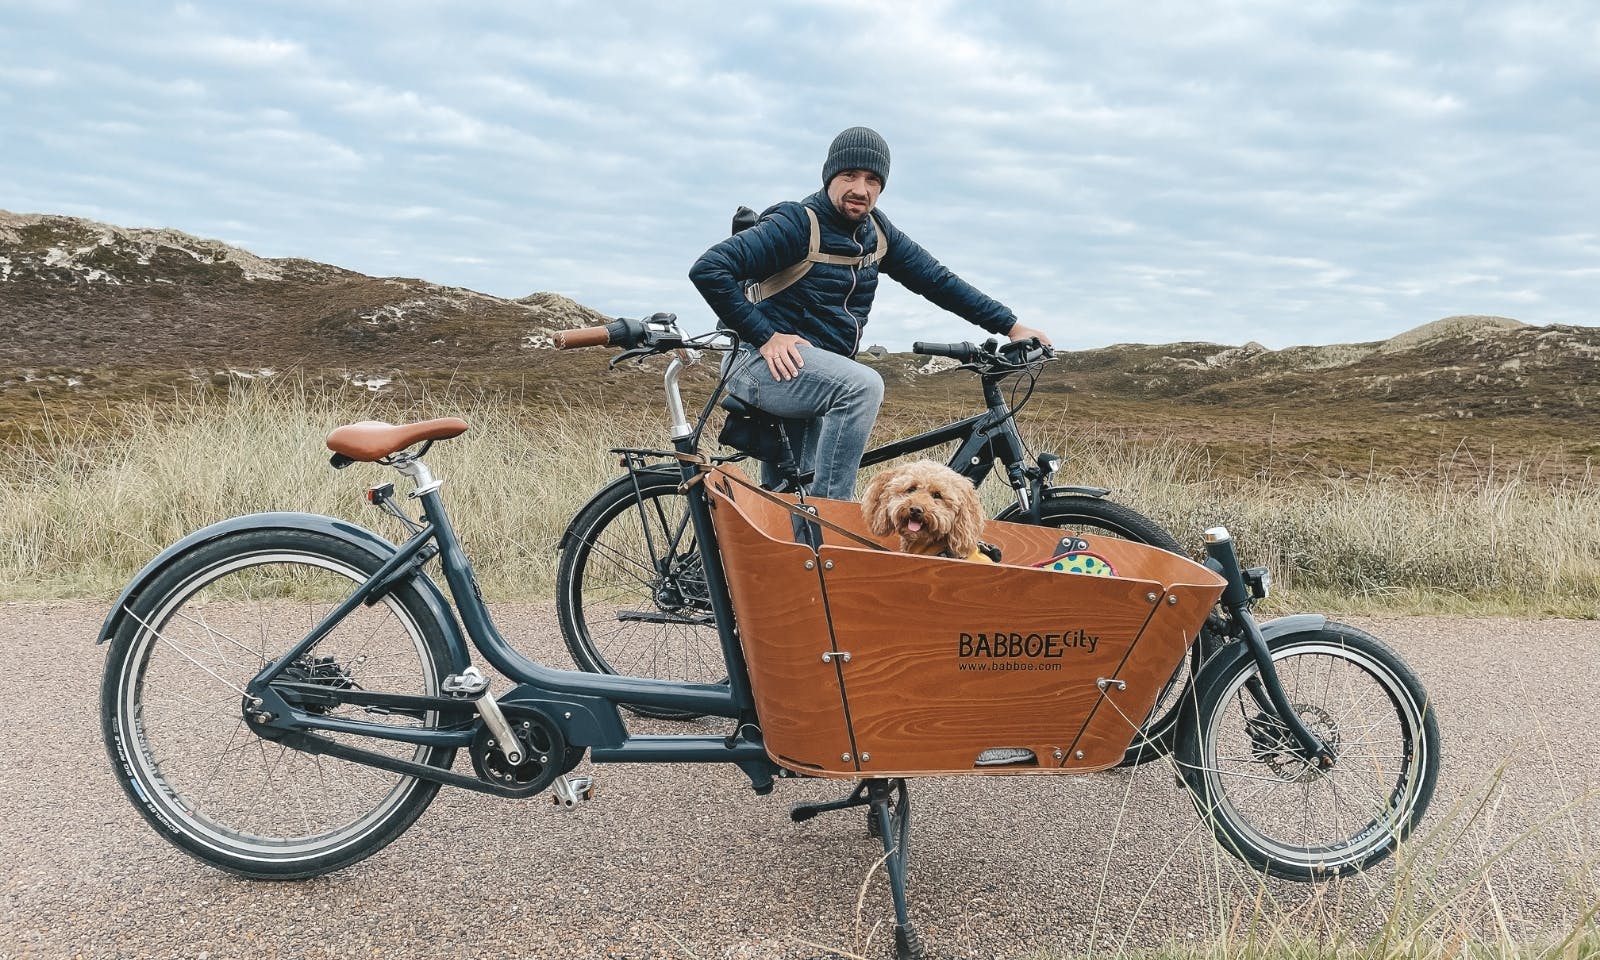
(801, 334)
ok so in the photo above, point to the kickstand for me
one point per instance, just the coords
(890, 815)
(893, 810)
(802, 812)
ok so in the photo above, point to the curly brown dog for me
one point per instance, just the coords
(934, 510)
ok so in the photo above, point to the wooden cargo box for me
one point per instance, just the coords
(867, 662)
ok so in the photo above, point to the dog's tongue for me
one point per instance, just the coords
(913, 525)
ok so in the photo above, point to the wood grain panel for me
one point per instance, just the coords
(949, 658)
(1154, 658)
(783, 629)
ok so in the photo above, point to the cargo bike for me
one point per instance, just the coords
(285, 693)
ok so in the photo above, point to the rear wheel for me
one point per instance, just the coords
(1278, 811)
(173, 704)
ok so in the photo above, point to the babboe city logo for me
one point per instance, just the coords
(1009, 650)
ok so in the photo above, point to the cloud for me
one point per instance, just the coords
(1273, 170)
(29, 76)
(227, 51)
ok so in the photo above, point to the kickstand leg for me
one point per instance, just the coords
(805, 811)
(892, 807)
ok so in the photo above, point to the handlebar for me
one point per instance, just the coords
(659, 333)
(992, 356)
(622, 332)
(655, 334)
(964, 352)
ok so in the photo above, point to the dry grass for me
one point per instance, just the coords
(1425, 908)
(86, 507)
(1447, 894)
(1454, 539)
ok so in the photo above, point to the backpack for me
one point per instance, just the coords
(757, 291)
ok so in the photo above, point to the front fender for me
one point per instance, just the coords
(350, 533)
(1224, 660)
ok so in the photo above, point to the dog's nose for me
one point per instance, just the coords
(916, 513)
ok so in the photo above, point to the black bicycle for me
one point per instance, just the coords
(631, 594)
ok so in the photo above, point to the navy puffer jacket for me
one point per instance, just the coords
(829, 305)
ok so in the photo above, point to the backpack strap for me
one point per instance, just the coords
(789, 276)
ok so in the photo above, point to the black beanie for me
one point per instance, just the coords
(858, 148)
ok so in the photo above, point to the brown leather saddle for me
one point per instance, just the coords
(371, 440)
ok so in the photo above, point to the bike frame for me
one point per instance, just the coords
(585, 705)
(984, 439)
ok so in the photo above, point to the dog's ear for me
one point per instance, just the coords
(875, 506)
(968, 526)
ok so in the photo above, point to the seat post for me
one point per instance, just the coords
(419, 474)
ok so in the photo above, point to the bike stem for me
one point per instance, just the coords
(675, 409)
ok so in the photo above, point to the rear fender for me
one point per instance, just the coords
(350, 533)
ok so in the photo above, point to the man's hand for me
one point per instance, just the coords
(782, 353)
(1020, 332)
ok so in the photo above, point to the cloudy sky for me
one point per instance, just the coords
(1287, 171)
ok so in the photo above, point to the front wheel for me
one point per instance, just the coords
(173, 699)
(631, 592)
(1277, 811)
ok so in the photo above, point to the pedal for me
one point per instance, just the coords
(471, 684)
(569, 791)
(467, 684)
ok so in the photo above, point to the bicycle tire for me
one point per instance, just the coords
(1360, 697)
(172, 704)
(631, 596)
(1100, 517)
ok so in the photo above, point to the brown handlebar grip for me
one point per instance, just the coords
(582, 337)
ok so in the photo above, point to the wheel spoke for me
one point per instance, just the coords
(215, 635)
(184, 654)
(622, 563)
(619, 622)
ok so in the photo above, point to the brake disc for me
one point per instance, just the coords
(1274, 744)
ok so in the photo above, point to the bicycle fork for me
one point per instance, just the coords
(1266, 688)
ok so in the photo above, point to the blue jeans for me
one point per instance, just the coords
(835, 398)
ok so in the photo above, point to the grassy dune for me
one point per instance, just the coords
(84, 508)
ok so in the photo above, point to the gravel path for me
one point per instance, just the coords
(674, 861)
